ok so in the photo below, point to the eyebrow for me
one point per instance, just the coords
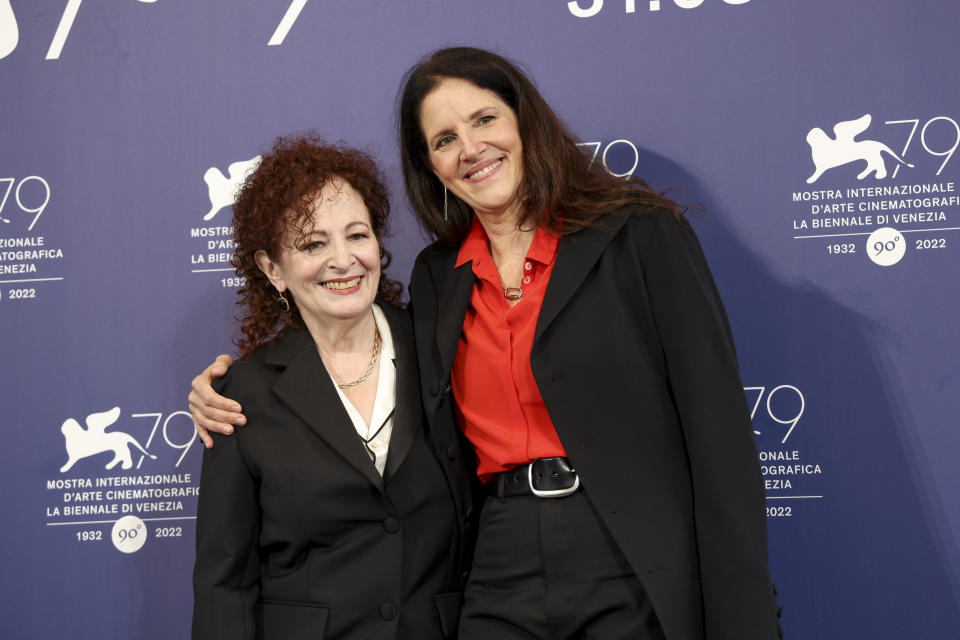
(473, 116)
(476, 114)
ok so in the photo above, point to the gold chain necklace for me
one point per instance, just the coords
(373, 360)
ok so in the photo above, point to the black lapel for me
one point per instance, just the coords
(407, 415)
(307, 389)
(454, 290)
(576, 255)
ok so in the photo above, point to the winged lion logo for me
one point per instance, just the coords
(82, 443)
(844, 148)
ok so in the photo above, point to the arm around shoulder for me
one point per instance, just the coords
(211, 411)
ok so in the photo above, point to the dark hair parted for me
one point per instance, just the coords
(278, 198)
(560, 190)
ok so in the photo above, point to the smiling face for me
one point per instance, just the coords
(333, 268)
(474, 146)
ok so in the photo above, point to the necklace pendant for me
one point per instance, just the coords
(512, 293)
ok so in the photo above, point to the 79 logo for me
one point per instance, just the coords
(10, 31)
(783, 405)
(619, 153)
(161, 424)
(940, 125)
(24, 196)
(939, 137)
(92, 438)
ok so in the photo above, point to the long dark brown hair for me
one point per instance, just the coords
(560, 189)
(278, 197)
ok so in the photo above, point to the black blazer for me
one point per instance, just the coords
(298, 536)
(635, 362)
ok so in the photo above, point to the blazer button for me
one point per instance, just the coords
(434, 389)
(452, 452)
(391, 524)
(388, 611)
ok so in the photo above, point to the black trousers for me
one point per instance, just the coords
(547, 568)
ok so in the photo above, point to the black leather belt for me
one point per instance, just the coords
(544, 478)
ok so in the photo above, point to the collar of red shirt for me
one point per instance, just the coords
(476, 248)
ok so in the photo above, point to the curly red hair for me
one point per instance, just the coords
(279, 197)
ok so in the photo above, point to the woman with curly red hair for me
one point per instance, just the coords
(330, 516)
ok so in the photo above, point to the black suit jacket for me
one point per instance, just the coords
(635, 362)
(298, 536)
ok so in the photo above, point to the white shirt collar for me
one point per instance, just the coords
(384, 402)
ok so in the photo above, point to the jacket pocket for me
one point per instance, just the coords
(448, 607)
(278, 620)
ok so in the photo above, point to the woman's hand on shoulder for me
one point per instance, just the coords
(210, 410)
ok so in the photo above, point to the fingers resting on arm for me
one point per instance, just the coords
(210, 410)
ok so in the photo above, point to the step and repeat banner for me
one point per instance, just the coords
(818, 137)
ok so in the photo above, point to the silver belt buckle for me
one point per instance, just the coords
(552, 493)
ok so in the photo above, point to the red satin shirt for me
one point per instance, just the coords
(500, 408)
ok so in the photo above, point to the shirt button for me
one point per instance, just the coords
(527, 280)
(388, 611)
(527, 266)
(391, 524)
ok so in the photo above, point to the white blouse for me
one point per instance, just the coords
(376, 435)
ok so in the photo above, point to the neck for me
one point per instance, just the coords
(507, 241)
(342, 336)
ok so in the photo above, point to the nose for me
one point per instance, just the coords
(472, 146)
(341, 257)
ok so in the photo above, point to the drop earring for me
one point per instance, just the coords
(282, 302)
(445, 218)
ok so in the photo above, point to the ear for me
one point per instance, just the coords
(270, 269)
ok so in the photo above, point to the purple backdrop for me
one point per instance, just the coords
(818, 136)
